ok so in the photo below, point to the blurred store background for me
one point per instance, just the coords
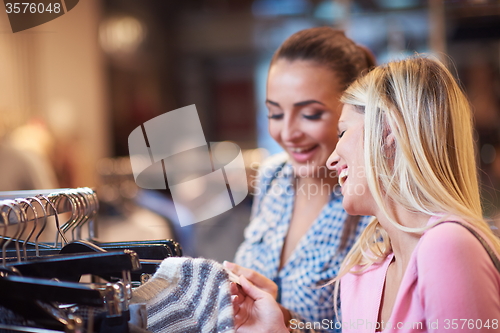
(73, 89)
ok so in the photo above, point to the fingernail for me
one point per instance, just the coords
(227, 264)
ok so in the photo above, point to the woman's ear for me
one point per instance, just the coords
(389, 146)
(390, 139)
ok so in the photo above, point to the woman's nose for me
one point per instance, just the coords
(332, 161)
(291, 130)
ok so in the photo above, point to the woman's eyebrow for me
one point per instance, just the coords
(272, 103)
(303, 103)
(309, 101)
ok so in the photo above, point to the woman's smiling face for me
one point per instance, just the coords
(303, 103)
(348, 159)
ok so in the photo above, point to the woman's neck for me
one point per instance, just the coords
(323, 184)
(403, 243)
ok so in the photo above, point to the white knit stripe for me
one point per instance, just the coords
(171, 298)
(165, 273)
(209, 286)
(163, 282)
(227, 312)
(154, 318)
(183, 302)
(220, 282)
(210, 299)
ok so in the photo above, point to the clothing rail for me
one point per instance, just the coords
(32, 193)
(40, 280)
(59, 197)
(26, 206)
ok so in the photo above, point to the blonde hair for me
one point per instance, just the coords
(432, 167)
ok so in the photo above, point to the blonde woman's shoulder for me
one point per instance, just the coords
(448, 241)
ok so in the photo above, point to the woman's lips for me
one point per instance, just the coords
(343, 176)
(302, 155)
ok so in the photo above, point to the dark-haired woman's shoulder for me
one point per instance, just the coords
(264, 174)
(273, 162)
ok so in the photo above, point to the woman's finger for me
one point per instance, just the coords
(238, 291)
(236, 304)
(257, 279)
(251, 290)
(240, 318)
(250, 274)
(233, 289)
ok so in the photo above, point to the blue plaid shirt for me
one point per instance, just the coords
(315, 260)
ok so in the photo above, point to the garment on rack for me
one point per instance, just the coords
(138, 315)
(39, 284)
(186, 296)
(8, 317)
(137, 318)
(136, 329)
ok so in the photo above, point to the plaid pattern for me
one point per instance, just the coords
(317, 258)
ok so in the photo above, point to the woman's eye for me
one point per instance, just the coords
(275, 116)
(341, 134)
(315, 116)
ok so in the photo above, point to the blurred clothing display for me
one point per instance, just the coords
(217, 238)
(23, 170)
(138, 224)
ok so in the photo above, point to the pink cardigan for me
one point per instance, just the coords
(450, 285)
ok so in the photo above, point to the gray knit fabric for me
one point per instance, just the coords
(138, 315)
(187, 296)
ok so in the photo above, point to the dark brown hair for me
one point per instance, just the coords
(330, 48)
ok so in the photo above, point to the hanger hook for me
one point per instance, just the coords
(25, 222)
(67, 225)
(94, 208)
(56, 215)
(80, 216)
(37, 250)
(81, 194)
(11, 204)
(5, 218)
(45, 216)
(22, 224)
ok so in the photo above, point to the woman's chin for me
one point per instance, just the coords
(350, 207)
(349, 210)
(310, 170)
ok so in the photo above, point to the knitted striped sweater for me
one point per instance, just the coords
(187, 295)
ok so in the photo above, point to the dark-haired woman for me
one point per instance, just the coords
(299, 233)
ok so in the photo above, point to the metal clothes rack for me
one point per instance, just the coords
(50, 275)
(63, 206)
(28, 206)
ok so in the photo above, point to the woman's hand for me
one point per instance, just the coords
(259, 280)
(255, 310)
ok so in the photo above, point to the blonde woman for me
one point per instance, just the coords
(405, 155)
